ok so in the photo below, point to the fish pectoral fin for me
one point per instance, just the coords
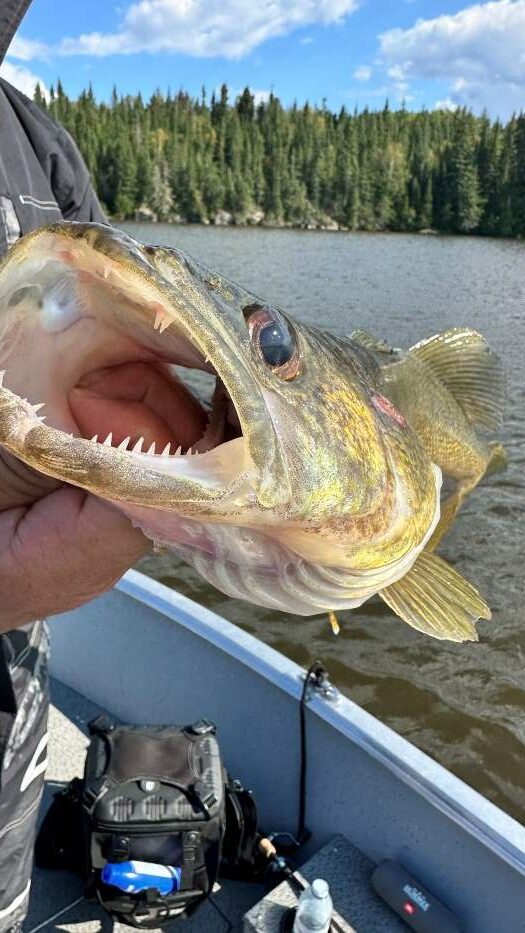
(370, 342)
(462, 361)
(433, 598)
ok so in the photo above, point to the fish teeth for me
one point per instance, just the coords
(94, 439)
(138, 446)
(38, 407)
(2, 374)
(162, 321)
(124, 444)
(109, 440)
(178, 452)
(151, 451)
(166, 451)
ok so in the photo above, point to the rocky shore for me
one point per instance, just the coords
(255, 218)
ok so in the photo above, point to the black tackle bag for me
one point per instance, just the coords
(156, 794)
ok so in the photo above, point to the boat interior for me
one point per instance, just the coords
(147, 654)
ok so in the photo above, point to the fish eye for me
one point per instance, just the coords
(276, 344)
(274, 339)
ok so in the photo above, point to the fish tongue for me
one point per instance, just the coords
(122, 419)
(137, 400)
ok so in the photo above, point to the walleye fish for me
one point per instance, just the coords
(309, 485)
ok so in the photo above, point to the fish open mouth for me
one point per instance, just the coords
(146, 408)
(99, 333)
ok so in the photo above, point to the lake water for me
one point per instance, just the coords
(462, 704)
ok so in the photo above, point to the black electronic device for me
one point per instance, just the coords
(418, 907)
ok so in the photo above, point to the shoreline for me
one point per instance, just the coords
(301, 228)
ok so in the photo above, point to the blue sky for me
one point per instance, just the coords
(352, 52)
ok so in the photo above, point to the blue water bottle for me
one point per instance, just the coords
(134, 877)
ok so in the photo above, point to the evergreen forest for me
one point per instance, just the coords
(219, 160)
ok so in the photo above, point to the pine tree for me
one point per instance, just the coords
(368, 170)
(144, 179)
(465, 187)
(518, 185)
(39, 98)
(161, 193)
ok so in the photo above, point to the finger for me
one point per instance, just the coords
(20, 484)
(102, 523)
(63, 551)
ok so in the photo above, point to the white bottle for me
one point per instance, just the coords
(314, 910)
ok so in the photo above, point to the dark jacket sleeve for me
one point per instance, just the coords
(71, 183)
(59, 159)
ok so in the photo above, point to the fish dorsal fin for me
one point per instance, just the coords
(436, 600)
(370, 342)
(463, 362)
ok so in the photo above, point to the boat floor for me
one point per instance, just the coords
(56, 901)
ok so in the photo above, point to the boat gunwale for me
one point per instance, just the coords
(482, 819)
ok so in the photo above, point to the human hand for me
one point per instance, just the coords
(59, 546)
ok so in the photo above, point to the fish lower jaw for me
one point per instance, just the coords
(156, 480)
(28, 412)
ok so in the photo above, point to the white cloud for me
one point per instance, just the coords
(22, 78)
(363, 73)
(205, 28)
(26, 49)
(396, 72)
(396, 89)
(401, 88)
(306, 40)
(480, 51)
(446, 104)
(260, 96)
